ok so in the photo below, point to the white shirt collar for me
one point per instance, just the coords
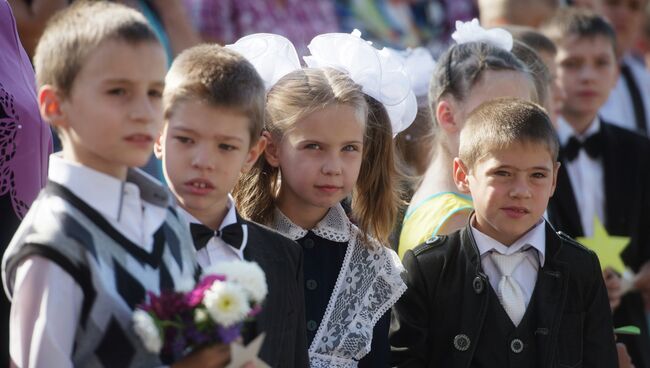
(84, 181)
(136, 208)
(535, 237)
(229, 219)
(565, 131)
(335, 226)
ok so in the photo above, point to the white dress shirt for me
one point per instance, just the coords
(526, 273)
(47, 301)
(619, 109)
(586, 176)
(216, 250)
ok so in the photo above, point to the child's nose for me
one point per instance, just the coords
(203, 159)
(520, 189)
(332, 166)
(142, 110)
(588, 73)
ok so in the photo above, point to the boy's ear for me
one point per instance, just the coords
(271, 150)
(158, 146)
(461, 174)
(556, 169)
(254, 153)
(445, 116)
(49, 104)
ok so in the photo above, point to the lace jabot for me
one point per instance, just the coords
(368, 285)
(335, 226)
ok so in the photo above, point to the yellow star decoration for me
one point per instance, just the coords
(608, 248)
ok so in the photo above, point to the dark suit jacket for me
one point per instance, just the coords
(626, 169)
(447, 297)
(283, 313)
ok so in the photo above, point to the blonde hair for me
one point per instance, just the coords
(300, 93)
(73, 33)
(503, 122)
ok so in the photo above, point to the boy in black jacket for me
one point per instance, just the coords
(214, 114)
(506, 290)
(605, 169)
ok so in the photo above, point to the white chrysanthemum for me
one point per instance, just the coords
(145, 327)
(200, 315)
(226, 303)
(247, 274)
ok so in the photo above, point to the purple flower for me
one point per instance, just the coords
(257, 308)
(167, 305)
(229, 334)
(195, 297)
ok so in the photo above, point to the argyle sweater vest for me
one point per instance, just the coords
(113, 273)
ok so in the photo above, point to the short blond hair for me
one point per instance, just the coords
(502, 123)
(72, 34)
(219, 77)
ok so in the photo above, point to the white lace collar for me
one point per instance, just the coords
(335, 226)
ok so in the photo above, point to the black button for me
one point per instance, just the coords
(478, 285)
(461, 342)
(312, 325)
(517, 346)
(308, 243)
(311, 284)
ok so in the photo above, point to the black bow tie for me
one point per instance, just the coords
(231, 235)
(593, 145)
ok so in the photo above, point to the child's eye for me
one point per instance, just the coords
(227, 147)
(602, 63)
(539, 175)
(501, 173)
(570, 64)
(312, 146)
(184, 140)
(117, 91)
(351, 148)
(155, 93)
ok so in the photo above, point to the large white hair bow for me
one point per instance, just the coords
(419, 66)
(380, 74)
(273, 56)
(473, 32)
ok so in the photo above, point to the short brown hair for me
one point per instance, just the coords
(583, 23)
(72, 34)
(503, 122)
(532, 38)
(219, 77)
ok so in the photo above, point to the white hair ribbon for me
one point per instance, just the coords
(273, 56)
(473, 32)
(419, 66)
(380, 74)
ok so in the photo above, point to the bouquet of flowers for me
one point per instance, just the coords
(214, 310)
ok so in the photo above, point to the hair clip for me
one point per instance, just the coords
(272, 55)
(419, 66)
(473, 32)
(380, 74)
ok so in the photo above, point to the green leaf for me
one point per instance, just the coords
(627, 330)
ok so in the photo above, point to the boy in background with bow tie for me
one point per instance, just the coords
(605, 171)
(506, 290)
(214, 114)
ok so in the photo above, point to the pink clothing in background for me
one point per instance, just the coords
(226, 21)
(25, 141)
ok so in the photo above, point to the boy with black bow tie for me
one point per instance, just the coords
(214, 113)
(605, 169)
